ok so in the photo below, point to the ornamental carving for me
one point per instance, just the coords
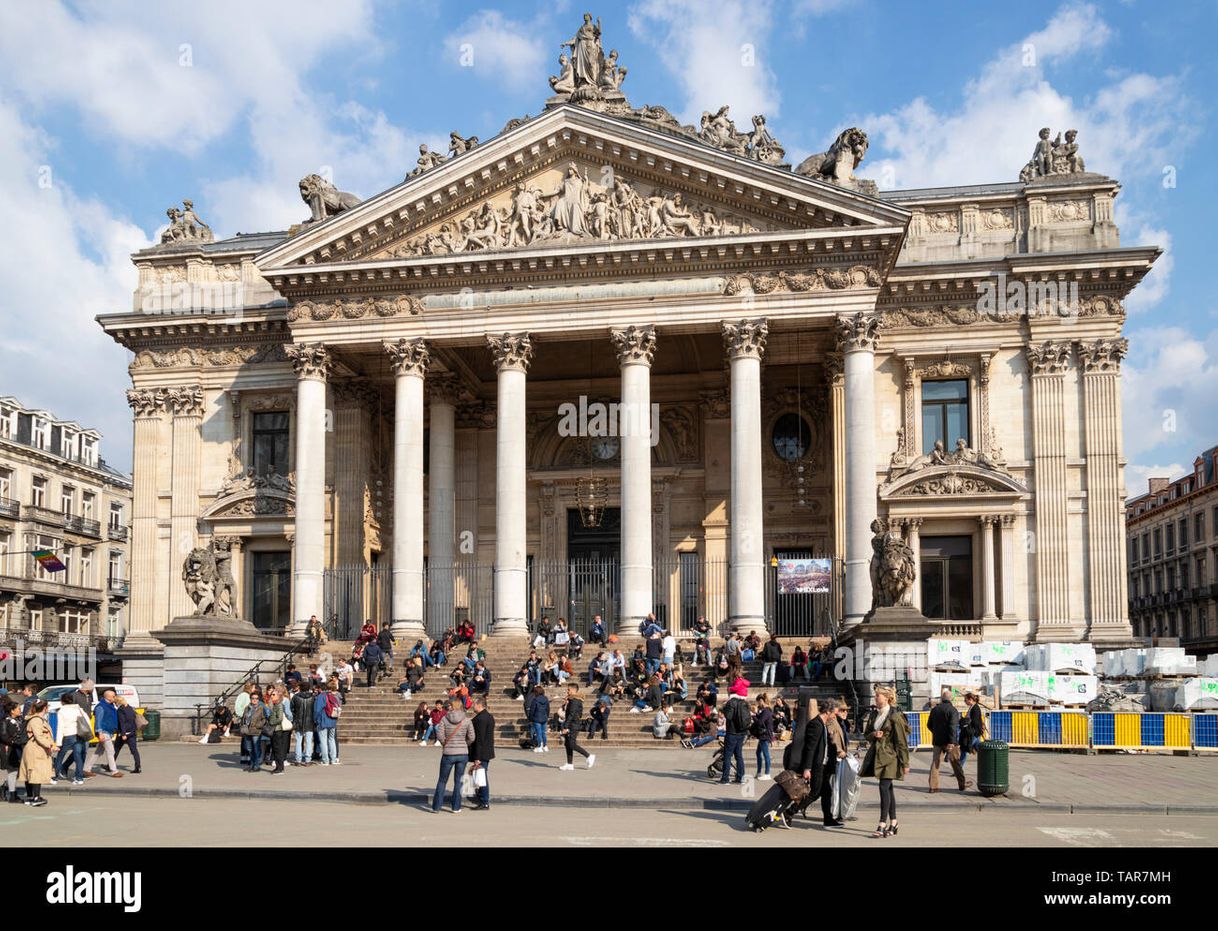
(837, 165)
(187, 357)
(996, 219)
(208, 578)
(457, 145)
(818, 279)
(1101, 305)
(963, 472)
(858, 332)
(717, 403)
(512, 351)
(1102, 355)
(252, 504)
(447, 388)
(943, 222)
(250, 481)
(1048, 358)
(745, 339)
(310, 360)
(946, 369)
(478, 415)
(408, 356)
(946, 315)
(356, 308)
(634, 345)
(681, 424)
(1068, 211)
(185, 227)
(1053, 157)
(184, 402)
(953, 484)
(146, 402)
(577, 208)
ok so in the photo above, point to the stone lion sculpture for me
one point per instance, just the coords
(892, 569)
(208, 582)
(838, 164)
(323, 198)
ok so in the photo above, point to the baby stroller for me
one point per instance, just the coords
(715, 769)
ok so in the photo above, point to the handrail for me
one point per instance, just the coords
(298, 646)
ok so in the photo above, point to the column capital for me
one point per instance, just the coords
(408, 356)
(745, 339)
(635, 345)
(1103, 356)
(446, 388)
(987, 520)
(147, 403)
(512, 351)
(1008, 520)
(311, 360)
(1052, 357)
(835, 367)
(858, 333)
(913, 523)
(186, 401)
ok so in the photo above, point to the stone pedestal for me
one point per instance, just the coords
(898, 623)
(205, 656)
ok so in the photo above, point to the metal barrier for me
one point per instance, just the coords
(1078, 730)
(1205, 731)
(1041, 729)
(919, 733)
(1131, 730)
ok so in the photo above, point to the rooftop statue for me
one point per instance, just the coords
(1053, 157)
(185, 226)
(837, 165)
(323, 198)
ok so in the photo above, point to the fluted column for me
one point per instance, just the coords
(312, 363)
(1010, 610)
(441, 501)
(635, 348)
(857, 339)
(148, 405)
(836, 378)
(409, 359)
(187, 407)
(1107, 582)
(914, 526)
(513, 352)
(745, 343)
(988, 612)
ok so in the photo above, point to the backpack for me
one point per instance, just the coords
(742, 718)
(333, 708)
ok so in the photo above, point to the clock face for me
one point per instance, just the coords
(604, 447)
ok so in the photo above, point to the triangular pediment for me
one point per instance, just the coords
(575, 179)
(954, 480)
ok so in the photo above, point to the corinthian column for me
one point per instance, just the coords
(513, 353)
(187, 406)
(148, 404)
(441, 501)
(409, 358)
(745, 344)
(635, 349)
(988, 575)
(857, 341)
(312, 363)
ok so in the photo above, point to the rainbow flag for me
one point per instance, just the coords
(49, 561)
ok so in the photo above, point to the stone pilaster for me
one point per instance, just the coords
(513, 352)
(745, 344)
(444, 391)
(635, 347)
(988, 575)
(1107, 581)
(857, 339)
(186, 405)
(409, 359)
(1009, 608)
(913, 529)
(312, 363)
(1048, 362)
(148, 406)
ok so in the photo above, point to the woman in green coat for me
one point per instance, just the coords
(888, 754)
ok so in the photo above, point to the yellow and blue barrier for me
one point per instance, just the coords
(1079, 730)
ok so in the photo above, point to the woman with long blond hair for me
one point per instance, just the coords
(887, 754)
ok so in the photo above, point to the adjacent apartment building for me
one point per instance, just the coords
(1173, 552)
(58, 494)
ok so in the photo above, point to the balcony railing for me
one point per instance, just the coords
(117, 532)
(82, 525)
(120, 588)
(10, 508)
(41, 515)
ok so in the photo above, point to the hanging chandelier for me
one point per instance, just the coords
(591, 497)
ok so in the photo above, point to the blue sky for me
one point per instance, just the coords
(111, 112)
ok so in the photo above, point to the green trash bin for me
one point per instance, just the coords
(153, 730)
(993, 768)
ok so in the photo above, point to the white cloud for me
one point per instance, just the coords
(1154, 287)
(715, 51)
(1137, 477)
(500, 50)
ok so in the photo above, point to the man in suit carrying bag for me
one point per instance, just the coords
(818, 761)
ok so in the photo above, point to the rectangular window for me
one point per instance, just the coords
(67, 444)
(1158, 542)
(6, 483)
(1133, 549)
(1200, 570)
(67, 499)
(87, 505)
(8, 423)
(6, 547)
(41, 435)
(947, 578)
(944, 414)
(116, 515)
(1199, 527)
(271, 585)
(1169, 535)
(1184, 576)
(270, 436)
(86, 567)
(1182, 533)
(690, 577)
(38, 493)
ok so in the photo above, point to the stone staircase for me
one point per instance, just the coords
(379, 715)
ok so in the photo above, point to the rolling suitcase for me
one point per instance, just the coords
(770, 809)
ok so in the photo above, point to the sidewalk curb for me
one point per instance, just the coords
(417, 797)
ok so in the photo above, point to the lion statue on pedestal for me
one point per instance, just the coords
(837, 165)
(208, 581)
(323, 198)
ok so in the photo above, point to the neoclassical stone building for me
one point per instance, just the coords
(380, 390)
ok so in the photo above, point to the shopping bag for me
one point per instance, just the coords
(845, 788)
(479, 778)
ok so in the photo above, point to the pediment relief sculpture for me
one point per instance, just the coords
(961, 472)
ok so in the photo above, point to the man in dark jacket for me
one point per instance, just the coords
(817, 760)
(483, 750)
(771, 656)
(302, 724)
(944, 725)
(373, 657)
(384, 640)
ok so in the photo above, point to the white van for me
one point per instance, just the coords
(53, 693)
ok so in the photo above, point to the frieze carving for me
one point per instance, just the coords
(512, 351)
(256, 505)
(146, 402)
(818, 279)
(356, 308)
(746, 338)
(187, 357)
(408, 356)
(1101, 305)
(310, 360)
(1068, 211)
(943, 222)
(634, 345)
(1048, 358)
(946, 368)
(953, 483)
(946, 315)
(1102, 355)
(858, 332)
(717, 403)
(577, 208)
(185, 401)
(996, 219)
